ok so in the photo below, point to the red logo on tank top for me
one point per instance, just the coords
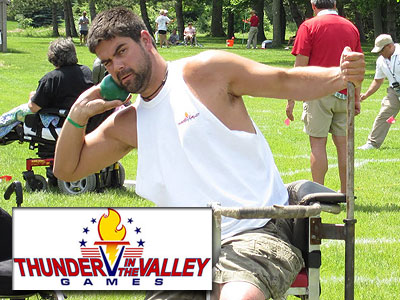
(188, 118)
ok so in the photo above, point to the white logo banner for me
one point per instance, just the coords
(112, 248)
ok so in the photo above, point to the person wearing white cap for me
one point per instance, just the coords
(387, 66)
(162, 26)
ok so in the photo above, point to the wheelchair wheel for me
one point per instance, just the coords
(121, 174)
(39, 183)
(87, 184)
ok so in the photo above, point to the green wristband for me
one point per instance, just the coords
(74, 123)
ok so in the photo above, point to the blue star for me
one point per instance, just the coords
(93, 220)
(137, 230)
(86, 230)
(83, 243)
(140, 243)
(130, 220)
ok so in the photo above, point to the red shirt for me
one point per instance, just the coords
(254, 21)
(323, 39)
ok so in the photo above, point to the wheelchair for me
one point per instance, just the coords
(6, 290)
(306, 201)
(41, 131)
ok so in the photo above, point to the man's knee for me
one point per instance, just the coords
(239, 290)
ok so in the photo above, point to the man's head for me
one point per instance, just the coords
(253, 12)
(384, 45)
(84, 13)
(190, 24)
(113, 23)
(324, 4)
(62, 52)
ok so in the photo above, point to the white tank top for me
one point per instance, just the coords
(188, 158)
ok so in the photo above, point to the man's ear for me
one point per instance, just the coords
(146, 39)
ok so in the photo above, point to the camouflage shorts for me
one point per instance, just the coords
(263, 257)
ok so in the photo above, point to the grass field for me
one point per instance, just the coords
(376, 177)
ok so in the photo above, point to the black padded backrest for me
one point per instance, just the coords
(5, 235)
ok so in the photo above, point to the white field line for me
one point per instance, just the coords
(363, 280)
(358, 163)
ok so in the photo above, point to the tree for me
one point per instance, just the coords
(391, 18)
(179, 18)
(92, 9)
(145, 16)
(54, 14)
(216, 19)
(276, 22)
(296, 15)
(377, 15)
(258, 6)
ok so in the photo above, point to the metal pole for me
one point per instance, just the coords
(3, 25)
(350, 221)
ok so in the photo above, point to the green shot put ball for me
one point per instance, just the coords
(110, 90)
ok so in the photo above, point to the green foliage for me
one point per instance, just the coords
(23, 22)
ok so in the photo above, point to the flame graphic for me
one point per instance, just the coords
(108, 231)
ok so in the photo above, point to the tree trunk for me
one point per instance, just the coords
(92, 9)
(231, 23)
(377, 16)
(391, 19)
(67, 19)
(71, 19)
(54, 19)
(216, 19)
(309, 12)
(145, 17)
(283, 23)
(180, 22)
(259, 8)
(276, 23)
(298, 19)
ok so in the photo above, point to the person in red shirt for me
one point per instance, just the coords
(252, 37)
(320, 42)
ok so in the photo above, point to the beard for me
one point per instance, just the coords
(140, 77)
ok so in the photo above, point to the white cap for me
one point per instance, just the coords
(381, 41)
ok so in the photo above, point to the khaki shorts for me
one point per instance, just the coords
(262, 257)
(328, 114)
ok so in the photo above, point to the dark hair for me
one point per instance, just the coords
(115, 22)
(323, 4)
(62, 52)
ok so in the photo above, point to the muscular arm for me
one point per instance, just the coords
(246, 77)
(78, 155)
(374, 86)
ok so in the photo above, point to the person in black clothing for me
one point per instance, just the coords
(62, 86)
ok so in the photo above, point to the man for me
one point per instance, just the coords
(196, 143)
(252, 37)
(83, 28)
(319, 42)
(173, 38)
(162, 22)
(190, 34)
(387, 65)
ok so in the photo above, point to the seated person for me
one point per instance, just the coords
(190, 34)
(62, 86)
(174, 38)
(57, 89)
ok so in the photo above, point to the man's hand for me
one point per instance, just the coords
(363, 97)
(352, 66)
(289, 109)
(90, 104)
